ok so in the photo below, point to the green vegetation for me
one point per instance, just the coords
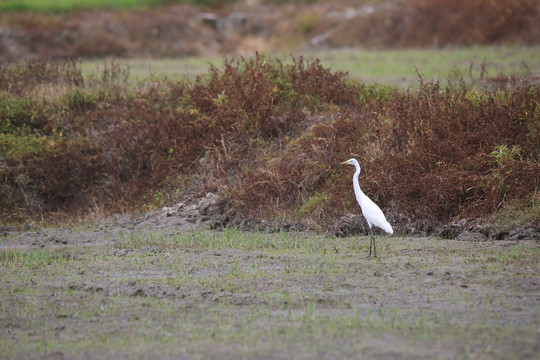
(394, 67)
(37, 259)
(58, 6)
(399, 66)
(232, 294)
(70, 5)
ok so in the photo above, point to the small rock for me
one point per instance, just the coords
(452, 230)
(524, 234)
(168, 211)
(57, 355)
(138, 292)
(471, 236)
(350, 224)
(208, 205)
(500, 235)
(74, 286)
(94, 288)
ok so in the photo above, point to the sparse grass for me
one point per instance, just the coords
(33, 259)
(51, 6)
(215, 294)
(227, 238)
(398, 66)
(58, 6)
(395, 67)
(522, 211)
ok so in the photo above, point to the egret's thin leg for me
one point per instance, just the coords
(372, 242)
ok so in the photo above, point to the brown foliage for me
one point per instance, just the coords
(268, 137)
(422, 23)
(19, 79)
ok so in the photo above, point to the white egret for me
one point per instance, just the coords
(370, 210)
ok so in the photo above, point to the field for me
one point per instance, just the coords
(393, 67)
(119, 292)
(158, 200)
(48, 6)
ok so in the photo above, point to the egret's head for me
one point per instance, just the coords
(350, 162)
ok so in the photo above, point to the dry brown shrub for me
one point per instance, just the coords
(268, 137)
(23, 78)
(426, 23)
(438, 163)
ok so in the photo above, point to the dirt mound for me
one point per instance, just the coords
(181, 30)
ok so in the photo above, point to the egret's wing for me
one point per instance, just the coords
(374, 215)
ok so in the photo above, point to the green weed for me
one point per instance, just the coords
(33, 259)
(19, 148)
(17, 112)
(311, 204)
(70, 5)
(502, 154)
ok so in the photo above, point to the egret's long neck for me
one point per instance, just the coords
(359, 194)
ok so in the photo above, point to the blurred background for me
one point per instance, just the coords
(157, 29)
(369, 38)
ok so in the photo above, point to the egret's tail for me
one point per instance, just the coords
(387, 227)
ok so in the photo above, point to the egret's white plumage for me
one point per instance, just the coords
(370, 210)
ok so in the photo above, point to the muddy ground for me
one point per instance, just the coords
(170, 287)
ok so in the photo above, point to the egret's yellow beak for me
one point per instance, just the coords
(345, 162)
